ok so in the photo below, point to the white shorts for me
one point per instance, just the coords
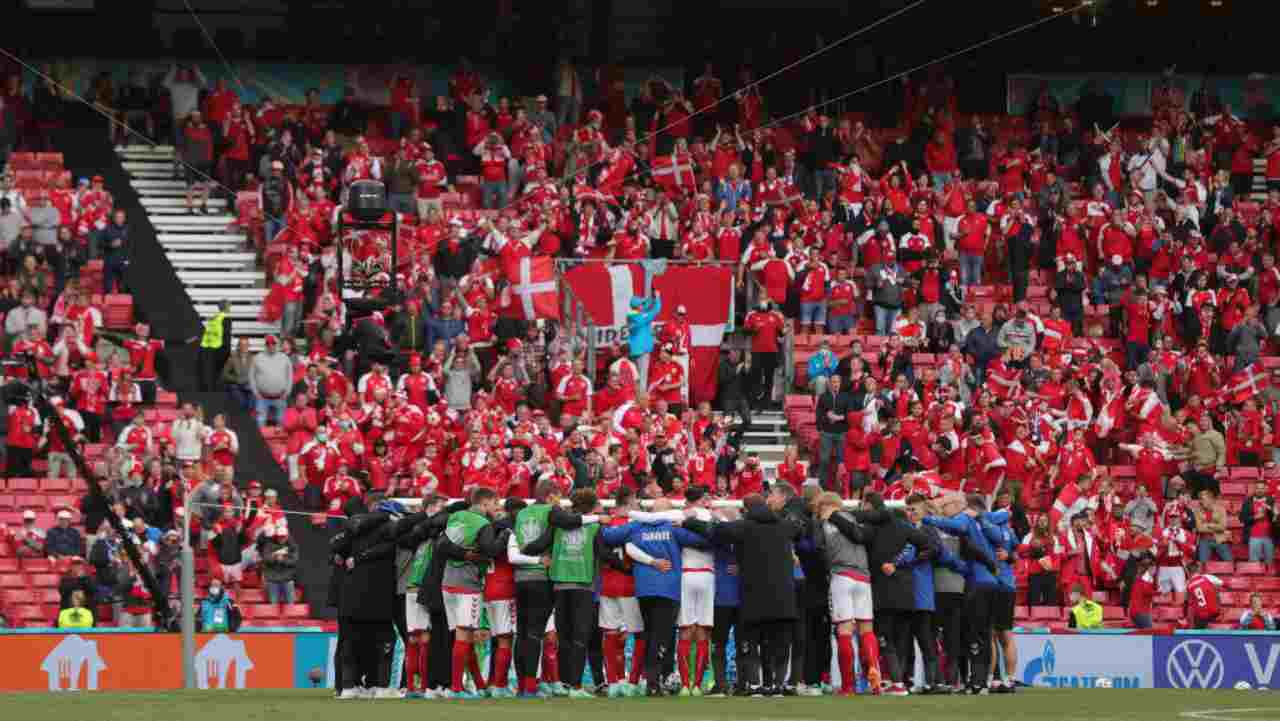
(416, 616)
(463, 609)
(502, 617)
(233, 572)
(1171, 579)
(697, 599)
(850, 600)
(621, 613)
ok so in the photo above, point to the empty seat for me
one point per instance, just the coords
(297, 611)
(1046, 613)
(1221, 568)
(22, 485)
(36, 565)
(13, 580)
(44, 580)
(55, 485)
(1251, 568)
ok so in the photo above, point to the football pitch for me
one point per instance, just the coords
(318, 705)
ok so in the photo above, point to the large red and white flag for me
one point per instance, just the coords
(605, 292)
(1248, 382)
(531, 291)
(674, 172)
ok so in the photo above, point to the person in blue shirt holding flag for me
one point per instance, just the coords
(640, 333)
(655, 547)
(981, 584)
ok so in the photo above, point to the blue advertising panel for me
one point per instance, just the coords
(1079, 661)
(1216, 661)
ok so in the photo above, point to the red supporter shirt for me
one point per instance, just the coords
(767, 326)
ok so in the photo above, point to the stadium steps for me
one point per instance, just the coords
(212, 258)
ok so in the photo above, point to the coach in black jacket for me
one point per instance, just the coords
(367, 602)
(764, 541)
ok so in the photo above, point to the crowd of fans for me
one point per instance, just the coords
(1012, 304)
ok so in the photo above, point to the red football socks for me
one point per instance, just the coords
(844, 652)
(683, 646)
(461, 650)
(501, 664)
(411, 666)
(704, 657)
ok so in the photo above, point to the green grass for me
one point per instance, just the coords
(1049, 705)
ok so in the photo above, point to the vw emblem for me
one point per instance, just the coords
(1194, 664)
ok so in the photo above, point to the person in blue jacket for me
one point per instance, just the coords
(981, 584)
(655, 548)
(728, 603)
(995, 526)
(640, 332)
(921, 623)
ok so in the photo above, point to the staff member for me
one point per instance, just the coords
(765, 543)
(367, 602)
(215, 347)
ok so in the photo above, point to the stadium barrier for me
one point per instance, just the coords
(122, 660)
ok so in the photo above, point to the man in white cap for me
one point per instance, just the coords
(676, 333)
(64, 541)
(29, 539)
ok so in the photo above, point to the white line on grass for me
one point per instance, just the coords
(1227, 714)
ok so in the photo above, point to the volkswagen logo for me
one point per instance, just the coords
(1194, 664)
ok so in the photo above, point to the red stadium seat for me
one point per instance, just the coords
(55, 485)
(44, 580)
(23, 485)
(36, 565)
(13, 580)
(297, 611)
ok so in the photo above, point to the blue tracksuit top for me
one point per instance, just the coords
(996, 528)
(728, 585)
(660, 540)
(971, 530)
(640, 325)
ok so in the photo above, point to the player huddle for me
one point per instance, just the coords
(532, 593)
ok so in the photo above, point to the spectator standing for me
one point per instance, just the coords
(768, 330)
(1258, 518)
(235, 374)
(270, 380)
(276, 197)
(731, 381)
(1208, 456)
(196, 149)
(831, 416)
(279, 559)
(189, 433)
(1211, 528)
(63, 541)
(44, 220)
